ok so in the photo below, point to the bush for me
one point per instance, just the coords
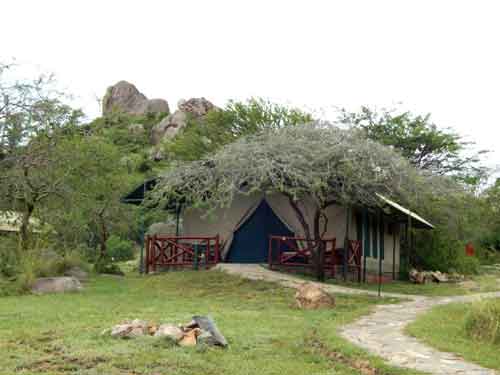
(119, 250)
(104, 266)
(8, 255)
(482, 322)
(437, 250)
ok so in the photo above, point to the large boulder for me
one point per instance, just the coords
(56, 285)
(125, 97)
(310, 296)
(78, 273)
(167, 128)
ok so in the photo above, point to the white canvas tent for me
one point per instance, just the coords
(10, 221)
(379, 235)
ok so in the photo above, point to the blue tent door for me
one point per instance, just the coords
(251, 240)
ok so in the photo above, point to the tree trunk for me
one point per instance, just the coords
(25, 220)
(104, 234)
(320, 247)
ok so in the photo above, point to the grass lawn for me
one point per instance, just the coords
(481, 284)
(60, 334)
(443, 328)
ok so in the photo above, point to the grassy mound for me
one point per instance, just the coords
(482, 322)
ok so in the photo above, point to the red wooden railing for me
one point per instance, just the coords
(180, 251)
(298, 252)
(354, 257)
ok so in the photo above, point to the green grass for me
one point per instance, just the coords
(60, 334)
(482, 284)
(444, 328)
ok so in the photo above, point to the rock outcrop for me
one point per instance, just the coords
(125, 97)
(167, 128)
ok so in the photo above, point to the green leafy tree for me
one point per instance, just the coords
(427, 147)
(33, 120)
(98, 179)
(223, 126)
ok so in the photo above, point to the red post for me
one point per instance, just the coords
(217, 249)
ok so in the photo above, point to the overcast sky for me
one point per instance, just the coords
(441, 57)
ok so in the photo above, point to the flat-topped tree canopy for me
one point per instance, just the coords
(319, 161)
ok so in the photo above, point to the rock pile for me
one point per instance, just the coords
(423, 277)
(310, 296)
(194, 108)
(201, 330)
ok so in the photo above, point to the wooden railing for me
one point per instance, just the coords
(179, 251)
(298, 252)
(289, 252)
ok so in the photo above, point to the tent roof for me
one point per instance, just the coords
(403, 213)
(137, 195)
(398, 212)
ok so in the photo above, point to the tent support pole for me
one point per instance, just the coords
(381, 251)
(177, 214)
(394, 253)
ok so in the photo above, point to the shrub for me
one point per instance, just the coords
(482, 322)
(119, 250)
(104, 266)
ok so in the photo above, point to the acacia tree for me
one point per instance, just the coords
(317, 161)
(32, 122)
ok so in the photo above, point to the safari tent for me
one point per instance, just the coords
(246, 231)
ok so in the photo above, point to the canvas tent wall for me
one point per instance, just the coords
(227, 221)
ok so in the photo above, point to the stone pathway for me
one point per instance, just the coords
(382, 332)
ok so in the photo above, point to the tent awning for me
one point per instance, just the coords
(419, 222)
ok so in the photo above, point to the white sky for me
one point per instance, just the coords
(440, 56)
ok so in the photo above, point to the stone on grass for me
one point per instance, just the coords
(77, 273)
(56, 285)
(170, 331)
(310, 296)
(131, 329)
(439, 277)
(207, 325)
(189, 338)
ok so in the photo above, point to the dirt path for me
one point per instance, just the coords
(382, 332)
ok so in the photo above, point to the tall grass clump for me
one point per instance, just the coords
(482, 322)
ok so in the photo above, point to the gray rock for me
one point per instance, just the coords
(170, 331)
(171, 125)
(125, 97)
(56, 285)
(77, 273)
(207, 324)
(131, 329)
